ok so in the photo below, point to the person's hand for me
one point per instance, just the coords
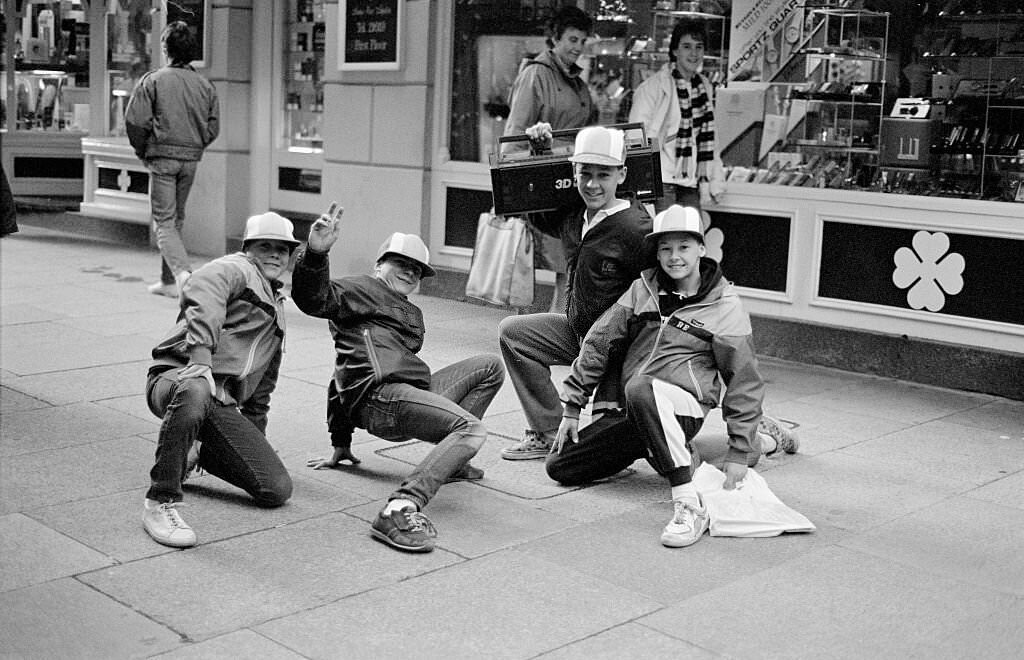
(540, 137)
(198, 371)
(734, 474)
(568, 429)
(340, 454)
(325, 231)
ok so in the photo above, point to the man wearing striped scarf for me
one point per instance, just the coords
(676, 106)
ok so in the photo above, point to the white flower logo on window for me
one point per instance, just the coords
(928, 271)
(713, 241)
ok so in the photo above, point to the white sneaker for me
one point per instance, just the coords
(688, 524)
(165, 525)
(162, 289)
(533, 445)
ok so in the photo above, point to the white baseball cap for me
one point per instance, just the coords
(676, 218)
(600, 145)
(269, 226)
(409, 246)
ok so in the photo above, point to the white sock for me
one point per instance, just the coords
(395, 505)
(768, 444)
(686, 493)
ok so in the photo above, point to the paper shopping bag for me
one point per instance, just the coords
(502, 268)
(750, 510)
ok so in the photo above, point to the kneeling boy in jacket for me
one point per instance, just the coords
(684, 332)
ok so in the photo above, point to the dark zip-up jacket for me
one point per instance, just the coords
(173, 113)
(231, 319)
(377, 331)
(697, 347)
(601, 265)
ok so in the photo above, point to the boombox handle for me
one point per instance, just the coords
(560, 135)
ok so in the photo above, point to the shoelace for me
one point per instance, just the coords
(680, 517)
(172, 514)
(420, 523)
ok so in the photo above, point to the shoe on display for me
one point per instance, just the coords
(533, 445)
(165, 526)
(404, 529)
(784, 439)
(688, 524)
(466, 473)
(164, 289)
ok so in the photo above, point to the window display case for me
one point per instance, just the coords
(303, 76)
(825, 132)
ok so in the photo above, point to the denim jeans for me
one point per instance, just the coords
(531, 345)
(447, 416)
(170, 182)
(233, 448)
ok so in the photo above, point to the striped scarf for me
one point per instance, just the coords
(696, 125)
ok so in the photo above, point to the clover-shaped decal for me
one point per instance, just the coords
(713, 241)
(928, 271)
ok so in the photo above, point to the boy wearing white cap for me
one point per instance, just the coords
(380, 384)
(212, 377)
(687, 335)
(603, 239)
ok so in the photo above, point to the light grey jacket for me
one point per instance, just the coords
(173, 113)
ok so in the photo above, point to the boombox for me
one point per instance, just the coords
(524, 181)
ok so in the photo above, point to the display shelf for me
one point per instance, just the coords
(303, 93)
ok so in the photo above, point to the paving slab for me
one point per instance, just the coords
(897, 400)
(823, 429)
(241, 644)
(88, 384)
(45, 429)
(55, 355)
(1001, 415)
(1008, 491)
(839, 603)
(243, 581)
(630, 640)
(942, 448)
(626, 550)
(34, 553)
(134, 405)
(959, 538)
(215, 509)
(78, 472)
(856, 493)
(12, 314)
(504, 605)
(473, 521)
(11, 400)
(66, 619)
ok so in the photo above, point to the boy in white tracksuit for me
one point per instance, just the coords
(685, 335)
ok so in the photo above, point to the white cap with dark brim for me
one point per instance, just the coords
(677, 219)
(409, 246)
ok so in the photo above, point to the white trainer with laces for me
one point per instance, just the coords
(163, 522)
(784, 438)
(688, 524)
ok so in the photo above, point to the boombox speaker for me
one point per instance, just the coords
(525, 179)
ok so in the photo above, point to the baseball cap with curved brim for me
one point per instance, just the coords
(599, 145)
(270, 226)
(677, 219)
(409, 246)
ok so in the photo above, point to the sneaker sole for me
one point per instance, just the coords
(387, 540)
(525, 455)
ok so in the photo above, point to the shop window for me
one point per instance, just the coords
(305, 35)
(129, 55)
(45, 77)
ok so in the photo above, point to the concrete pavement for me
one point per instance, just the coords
(917, 493)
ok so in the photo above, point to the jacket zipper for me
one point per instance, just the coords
(252, 350)
(654, 349)
(371, 353)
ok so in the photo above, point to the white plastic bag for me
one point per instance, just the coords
(750, 510)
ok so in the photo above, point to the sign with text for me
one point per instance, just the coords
(370, 35)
